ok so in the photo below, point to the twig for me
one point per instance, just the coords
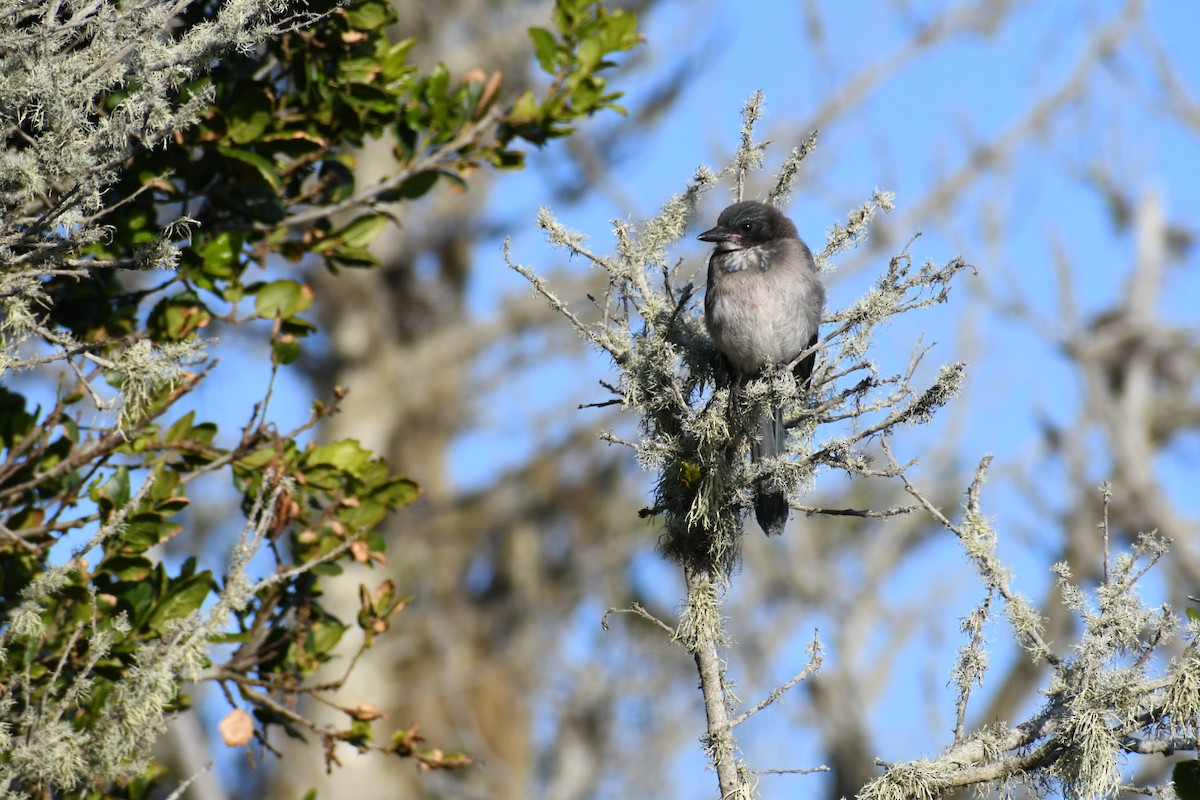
(612, 438)
(808, 771)
(601, 404)
(814, 664)
(639, 610)
(539, 285)
(719, 741)
(894, 511)
(188, 781)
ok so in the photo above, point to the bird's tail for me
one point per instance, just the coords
(770, 500)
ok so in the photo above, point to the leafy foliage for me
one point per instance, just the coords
(232, 172)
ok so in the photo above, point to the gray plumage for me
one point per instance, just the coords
(762, 306)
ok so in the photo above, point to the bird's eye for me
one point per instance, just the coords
(747, 226)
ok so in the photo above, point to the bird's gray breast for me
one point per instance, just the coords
(759, 306)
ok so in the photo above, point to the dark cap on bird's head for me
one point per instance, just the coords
(748, 223)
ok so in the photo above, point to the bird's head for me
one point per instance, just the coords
(747, 224)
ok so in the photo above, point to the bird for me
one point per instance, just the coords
(763, 306)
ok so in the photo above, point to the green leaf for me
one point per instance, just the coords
(167, 486)
(620, 31)
(297, 326)
(508, 159)
(354, 258)
(172, 505)
(369, 15)
(587, 93)
(263, 166)
(374, 505)
(324, 636)
(184, 597)
(362, 231)
(327, 569)
(282, 299)
(412, 188)
(545, 46)
(377, 544)
(253, 462)
(137, 596)
(181, 427)
(347, 454)
(145, 530)
(1193, 614)
(204, 433)
(370, 98)
(567, 12)
(400, 492)
(285, 351)
(526, 106)
(359, 70)
(220, 252)
(249, 115)
(436, 84)
(114, 493)
(590, 53)
(395, 60)
(355, 236)
(177, 318)
(127, 568)
(70, 429)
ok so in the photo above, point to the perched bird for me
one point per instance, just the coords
(762, 307)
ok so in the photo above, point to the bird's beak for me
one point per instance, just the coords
(718, 234)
